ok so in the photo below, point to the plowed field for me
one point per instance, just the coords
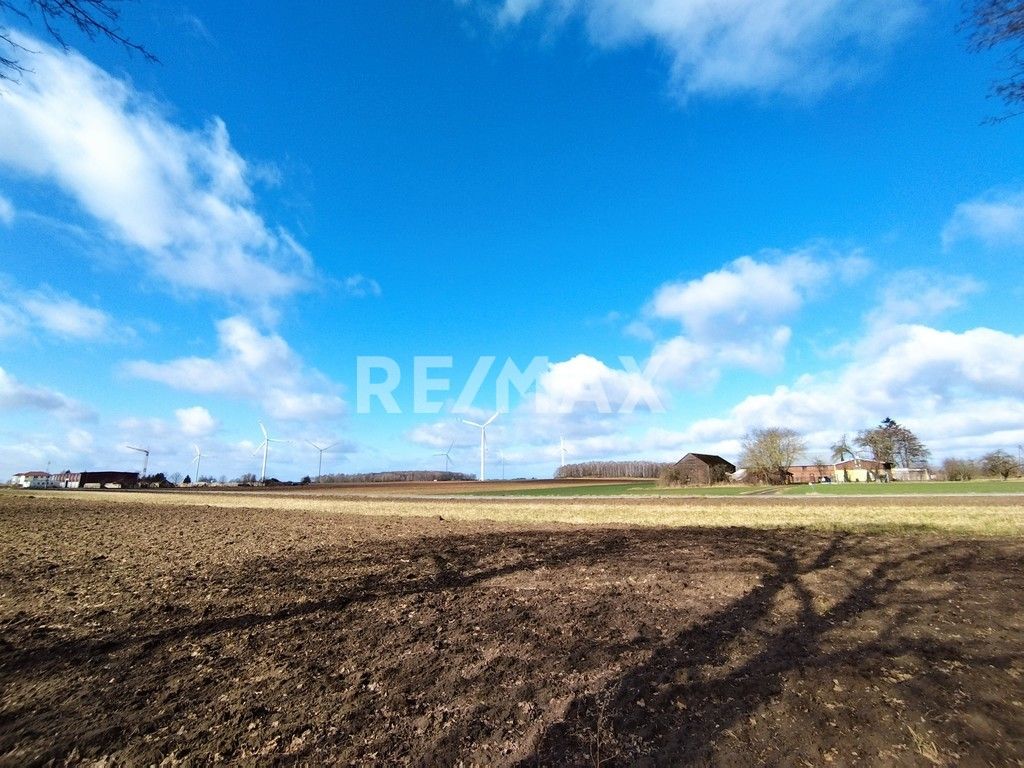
(137, 634)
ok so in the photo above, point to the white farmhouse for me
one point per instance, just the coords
(31, 479)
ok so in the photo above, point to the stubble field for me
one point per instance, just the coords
(313, 628)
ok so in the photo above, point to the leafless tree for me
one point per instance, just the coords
(841, 448)
(93, 18)
(769, 453)
(999, 24)
(891, 442)
(959, 469)
(999, 464)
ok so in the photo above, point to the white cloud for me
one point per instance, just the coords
(745, 293)
(951, 388)
(180, 198)
(728, 46)
(44, 309)
(65, 316)
(915, 295)
(253, 365)
(584, 383)
(80, 440)
(732, 317)
(15, 396)
(195, 421)
(996, 218)
(360, 286)
(6, 211)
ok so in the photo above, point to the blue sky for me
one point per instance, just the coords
(785, 213)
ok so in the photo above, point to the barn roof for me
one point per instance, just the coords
(709, 459)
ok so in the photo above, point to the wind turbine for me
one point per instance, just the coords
(562, 450)
(196, 460)
(447, 455)
(265, 445)
(145, 461)
(501, 455)
(320, 465)
(483, 439)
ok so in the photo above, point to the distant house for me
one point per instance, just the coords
(31, 479)
(701, 469)
(809, 473)
(861, 471)
(849, 471)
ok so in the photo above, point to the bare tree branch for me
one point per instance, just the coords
(993, 24)
(93, 18)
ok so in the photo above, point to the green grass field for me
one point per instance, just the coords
(649, 488)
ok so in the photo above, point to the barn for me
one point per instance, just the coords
(702, 469)
(109, 479)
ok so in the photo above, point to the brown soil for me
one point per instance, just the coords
(141, 635)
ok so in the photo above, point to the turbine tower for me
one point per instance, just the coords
(196, 460)
(320, 464)
(447, 455)
(483, 439)
(265, 445)
(145, 461)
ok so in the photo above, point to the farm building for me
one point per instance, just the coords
(67, 479)
(32, 479)
(809, 473)
(861, 471)
(96, 480)
(912, 474)
(702, 469)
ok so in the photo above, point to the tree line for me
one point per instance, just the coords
(635, 469)
(998, 464)
(397, 476)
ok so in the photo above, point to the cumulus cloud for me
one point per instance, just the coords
(261, 367)
(754, 46)
(734, 316)
(179, 198)
(195, 421)
(996, 219)
(16, 396)
(586, 383)
(945, 385)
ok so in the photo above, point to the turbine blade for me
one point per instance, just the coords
(473, 424)
(263, 429)
(492, 418)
